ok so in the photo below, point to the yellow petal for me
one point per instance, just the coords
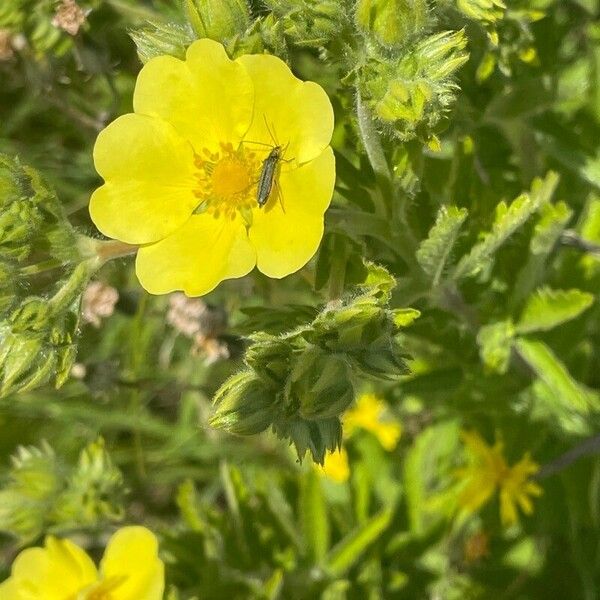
(149, 170)
(58, 571)
(297, 112)
(197, 257)
(336, 466)
(132, 555)
(208, 98)
(508, 510)
(286, 241)
(9, 590)
(477, 493)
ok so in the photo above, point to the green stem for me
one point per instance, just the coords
(403, 236)
(41, 267)
(73, 287)
(337, 276)
(372, 144)
(112, 249)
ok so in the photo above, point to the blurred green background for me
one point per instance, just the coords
(506, 343)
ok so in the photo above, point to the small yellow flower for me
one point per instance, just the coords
(336, 466)
(370, 413)
(181, 172)
(488, 471)
(129, 570)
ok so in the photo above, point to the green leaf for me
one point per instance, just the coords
(315, 522)
(568, 393)
(495, 344)
(548, 308)
(403, 317)
(508, 220)
(434, 251)
(355, 544)
(428, 459)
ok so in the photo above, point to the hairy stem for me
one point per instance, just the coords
(372, 144)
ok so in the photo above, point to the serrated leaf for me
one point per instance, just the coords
(434, 251)
(568, 393)
(508, 220)
(548, 308)
(353, 546)
(315, 522)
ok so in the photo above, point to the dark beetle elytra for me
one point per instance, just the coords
(267, 176)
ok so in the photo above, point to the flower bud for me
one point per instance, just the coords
(320, 385)
(217, 19)
(391, 22)
(351, 326)
(244, 405)
(157, 39)
(269, 356)
(309, 22)
(410, 95)
(384, 361)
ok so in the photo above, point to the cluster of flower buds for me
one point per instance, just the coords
(391, 22)
(38, 314)
(310, 22)
(43, 494)
(411, 92)
(300, 383)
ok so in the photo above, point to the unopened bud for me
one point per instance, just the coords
(381, 362)
(391, 22)
(320, 385)
(244, 405)
(157, 39)
(269, 356)
(217, 19)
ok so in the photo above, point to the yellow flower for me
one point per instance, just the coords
(130, 570)
(370, 414)
(181, 172)
(336, 466)
(488, 471)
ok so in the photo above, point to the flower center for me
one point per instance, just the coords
(230, 177)
(226, 181)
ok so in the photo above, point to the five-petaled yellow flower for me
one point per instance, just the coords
(181, 172)
(488, 471)
(370, 414)
(130, 570)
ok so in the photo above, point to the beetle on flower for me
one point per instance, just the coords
(181, 172)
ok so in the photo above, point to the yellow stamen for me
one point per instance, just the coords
(226, 181)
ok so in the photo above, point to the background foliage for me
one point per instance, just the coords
(468, 190)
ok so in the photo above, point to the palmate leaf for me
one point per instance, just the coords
(548, 308)
(434, 251)
(508, 220)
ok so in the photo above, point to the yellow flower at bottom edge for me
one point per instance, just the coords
(336, 466)
(488, 471)
(130, 570)
(370, 414)
(181, 172)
